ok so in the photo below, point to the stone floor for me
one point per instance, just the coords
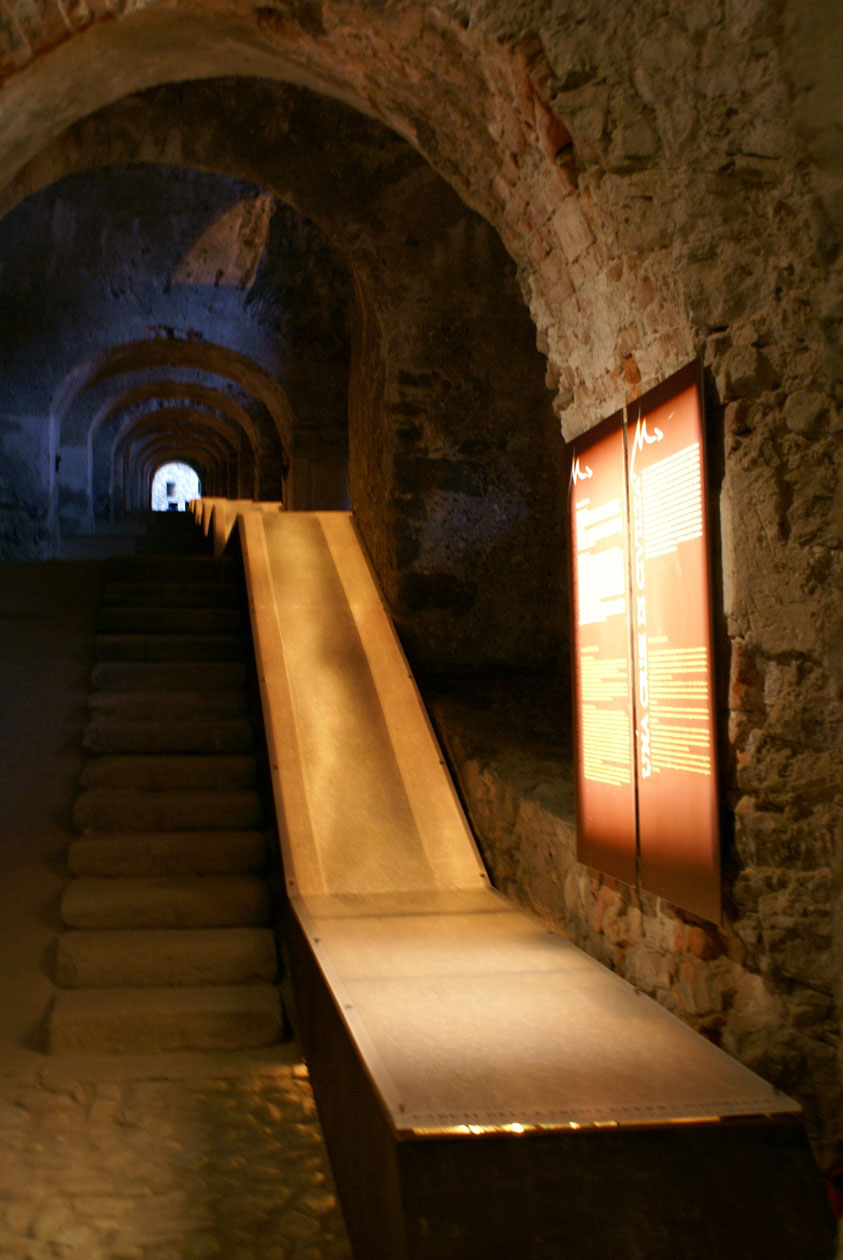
(226, 1161)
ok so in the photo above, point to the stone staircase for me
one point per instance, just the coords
(168, 942)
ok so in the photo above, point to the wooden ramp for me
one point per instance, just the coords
(486, 1089)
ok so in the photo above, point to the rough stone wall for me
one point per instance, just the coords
(456, 465)
(27, 464)
(668, 180)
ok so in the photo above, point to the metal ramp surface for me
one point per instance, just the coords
(486, 1088)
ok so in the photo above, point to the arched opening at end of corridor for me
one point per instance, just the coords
(173, 486)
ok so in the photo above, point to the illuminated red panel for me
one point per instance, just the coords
(601, 674)
(674, 724)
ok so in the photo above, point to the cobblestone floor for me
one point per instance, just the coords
(219, 1164)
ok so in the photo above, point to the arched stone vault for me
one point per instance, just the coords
(201, 396)
(164, 353)
(173, 419)
(165, 256)
(488, 109)
(667, 182)
(116, 414)
(175, 426)
(77, 424)
(145, 453)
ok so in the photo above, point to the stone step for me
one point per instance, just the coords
(168, 853)
(186, 570)
(168, 647)
(164, 676)
(167, 901)
(160, 543)
(119, 620)
(171, 595)
(140, 705)
(209, 1017)
(114, 809)
(171, 735)
(156, 773)
(165, 956)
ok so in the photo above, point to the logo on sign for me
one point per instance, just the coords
(578, 473)
(643, 438)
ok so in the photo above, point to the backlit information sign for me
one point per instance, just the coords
(643, 697)
(602, 674)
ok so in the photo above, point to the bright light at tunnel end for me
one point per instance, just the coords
(173, 486)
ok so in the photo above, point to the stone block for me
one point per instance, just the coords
(159, 956)
(573, 229)
(746, 372)
(803, 412)
(124, 1020)
(166, 901)
(168, 853)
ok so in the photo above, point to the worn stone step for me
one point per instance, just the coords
(156, 773)
(115, 809)
(171, 595)
(168, 647)
(185, 570)
(170, 735)
(168, 676)
(123, 1020)
(140, 705)
(165, 956)
(167, 901)
(168, 853)
(120, 620)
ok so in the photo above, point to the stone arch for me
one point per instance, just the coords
(210, 453)
(518, 142)
(121, 411)
(158, 452)
(202, 397)
(144, 356)
(175, 425)
(113, 371)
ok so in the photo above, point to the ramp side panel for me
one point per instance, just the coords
(366, 802)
